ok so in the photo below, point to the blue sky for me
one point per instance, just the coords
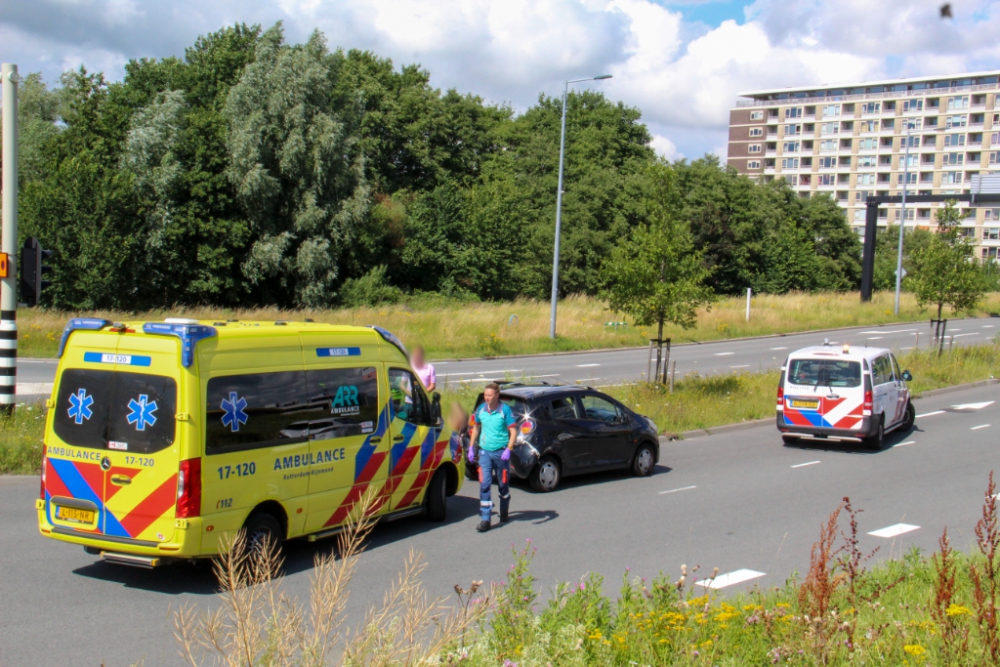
(681, 61)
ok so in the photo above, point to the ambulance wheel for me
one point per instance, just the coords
(545, 477)
(262, 531)
(910, 418)
(876, 441)
(437, 497)
(791, 439)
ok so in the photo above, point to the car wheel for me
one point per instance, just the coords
(876, 441)
(437, 497)
(791, 439)
(643, 461)
(545, 477)
(910, 418)
(263, 531)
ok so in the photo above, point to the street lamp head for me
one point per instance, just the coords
(602, 76)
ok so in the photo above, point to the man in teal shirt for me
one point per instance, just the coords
(496, 429)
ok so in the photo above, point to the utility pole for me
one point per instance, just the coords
(902, 222)
(8, 241)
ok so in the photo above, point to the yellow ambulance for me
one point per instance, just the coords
(165, 438)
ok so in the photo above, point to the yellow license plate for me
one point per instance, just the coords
(75, 515)
(811, 405)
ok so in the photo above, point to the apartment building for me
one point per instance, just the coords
(854, 141)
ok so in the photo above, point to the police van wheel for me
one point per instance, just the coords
(437, 497)
(262, 531)
(910, 418)
(876, 441)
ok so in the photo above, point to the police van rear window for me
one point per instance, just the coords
(131, 412)
(824, 373)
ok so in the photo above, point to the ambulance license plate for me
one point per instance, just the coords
(799, 403)
(74, 515)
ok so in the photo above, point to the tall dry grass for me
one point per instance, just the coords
(475, 329)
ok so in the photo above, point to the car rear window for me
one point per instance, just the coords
(131, 412)
(517, 405)
(824, 373)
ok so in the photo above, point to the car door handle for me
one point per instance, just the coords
(399, 438)
(375, 439)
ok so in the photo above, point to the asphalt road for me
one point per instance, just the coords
(608, 367)
(738, 501)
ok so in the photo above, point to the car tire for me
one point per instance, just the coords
(644, 460)
(876, 441)
(546, 475)
(791, 439)
(262, 528)
(437, 497)
(911, 417)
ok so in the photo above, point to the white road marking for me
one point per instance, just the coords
(988, 326)
(904, 444)
(586, 365)
(976, 428)
(874, 338)
(802, 465)
(724, 354)
(882, 331)
(730, 579)
(972, 406)
(683, 488)
(743, 366)
(894, 530)
(931, 414)
(779, 348)
(974, 333)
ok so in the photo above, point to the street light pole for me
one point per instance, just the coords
(902, 222)
(8, 242)
(559, 194)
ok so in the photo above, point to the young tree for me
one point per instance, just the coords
(655, 274)
(945, 271)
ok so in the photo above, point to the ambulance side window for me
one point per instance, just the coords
(406, 397)
(350, 400)
(258, 410)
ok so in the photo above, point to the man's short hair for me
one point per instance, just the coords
(492, 385)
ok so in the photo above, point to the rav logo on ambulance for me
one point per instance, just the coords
(346, 401)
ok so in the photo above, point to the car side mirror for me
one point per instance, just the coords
(907, 377)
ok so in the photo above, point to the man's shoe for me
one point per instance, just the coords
(483, 526)
(503, 517)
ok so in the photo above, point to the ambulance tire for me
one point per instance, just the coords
(910, 419)
(263, 528)
(437, 496)
(876, 442)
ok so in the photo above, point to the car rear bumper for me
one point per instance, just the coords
(864, 430)
(523, 459)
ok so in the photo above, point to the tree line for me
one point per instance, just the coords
(253, 171)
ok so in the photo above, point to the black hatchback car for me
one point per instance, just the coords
(569, 430)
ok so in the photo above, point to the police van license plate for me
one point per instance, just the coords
(73, 514)
(799, 403)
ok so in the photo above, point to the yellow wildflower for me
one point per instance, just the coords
(914, 649)
(958, 610)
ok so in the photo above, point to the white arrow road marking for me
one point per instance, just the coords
(976, 428)
(972, 406)
(894, 530)
(683, 488)
(931, 414)
(803, 465)
(723, 354)
(730, 579)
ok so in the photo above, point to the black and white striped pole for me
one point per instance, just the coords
(8, 241)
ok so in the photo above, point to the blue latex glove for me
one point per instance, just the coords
(506, 455)
(472, 454)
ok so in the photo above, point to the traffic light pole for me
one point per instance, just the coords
(8, 241)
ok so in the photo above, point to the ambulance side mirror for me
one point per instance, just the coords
(907, 377)
(436, 408)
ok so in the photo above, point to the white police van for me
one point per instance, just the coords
(839, 393)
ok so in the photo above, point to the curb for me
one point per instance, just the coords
(957, 387)
(703, 342)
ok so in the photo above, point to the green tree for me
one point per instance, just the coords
(655, 274)
(945, 271)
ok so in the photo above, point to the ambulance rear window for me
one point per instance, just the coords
(131, 412)
(824, 373)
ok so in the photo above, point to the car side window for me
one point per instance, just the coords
(599, 409)
(882, 371)
(896, 373)
(406, 397)
(564, 408)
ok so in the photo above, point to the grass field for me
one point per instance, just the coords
(449, 329)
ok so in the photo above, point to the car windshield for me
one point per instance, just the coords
(825, 373)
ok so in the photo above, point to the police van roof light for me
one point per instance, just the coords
(87, 323)
(847, 348)
(189, 334)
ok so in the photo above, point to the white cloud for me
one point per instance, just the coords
(684, 77)
(665, 148)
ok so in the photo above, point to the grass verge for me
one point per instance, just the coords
(462, 329)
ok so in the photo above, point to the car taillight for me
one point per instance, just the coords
(189, 489)
(527, 426)
(869, 402)
(781, 395)
(45, 464)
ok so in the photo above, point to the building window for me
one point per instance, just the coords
(831, 111)
(828, 145)
(951, 177)
(847, 126)
(790, 147)
(911, 178)
(953, 159)
(844, 179)
(866, 161)
(885, 160)
(756, 132)
(753, 148)
(827, 179)
(991, 233)
(790, 163)
(868, 144)
(995, 139)
(805, 180)
(954, 140)
(865, 179)
(955, 121)
(756, 115)
(869, 126)
(829, 128)
(827, 162)
(994, 157)
(861, 195)
(913, 105)
(961, 102)
(793, 130)
(991, 214)
(871, 107)
(791, 180)
(793, 112)
(911, 161)
(753, 164)
(927, 177)
(910, 214)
